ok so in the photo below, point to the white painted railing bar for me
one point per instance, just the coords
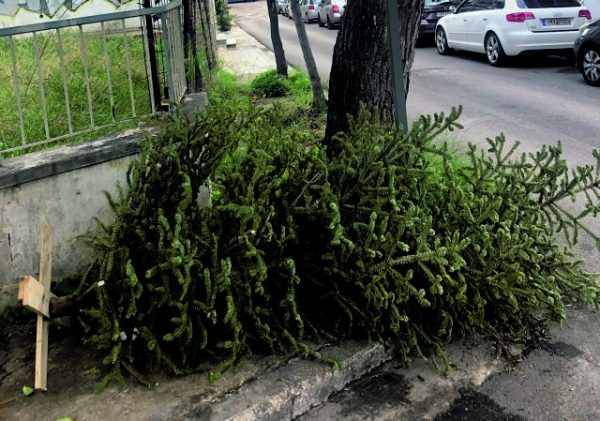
(63, 71)
(15, 74)
(38, 66)
(108, 77)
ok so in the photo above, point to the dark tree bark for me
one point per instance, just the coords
(199, 33)
(194, 73)
(318, 103)
(361, 71)
(208, 23)
(282, 67)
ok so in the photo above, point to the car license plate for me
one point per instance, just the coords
(556, 21)
(440, 14)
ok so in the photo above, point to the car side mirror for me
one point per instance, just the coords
(452, 9)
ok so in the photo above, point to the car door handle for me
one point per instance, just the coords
(485, 19)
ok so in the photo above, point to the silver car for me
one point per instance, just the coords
(330, 12)
(309, 10)
(281, 4)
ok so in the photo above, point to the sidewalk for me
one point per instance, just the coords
(248, 58)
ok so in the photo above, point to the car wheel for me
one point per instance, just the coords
(589, 65)
(329, 24)
(494, 51)
(441, 42)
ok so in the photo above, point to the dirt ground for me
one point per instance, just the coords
(73, 378)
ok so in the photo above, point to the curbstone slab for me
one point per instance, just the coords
(221, 39)
(292, 390)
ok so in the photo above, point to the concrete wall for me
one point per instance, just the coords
(63, 186)
(24, 12)
(12, 14)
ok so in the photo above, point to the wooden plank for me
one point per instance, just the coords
(46, 263)
(41, 353)
(32, 295)
(41, 343)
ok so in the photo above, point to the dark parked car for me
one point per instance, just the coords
(431, 12)
(587, 51)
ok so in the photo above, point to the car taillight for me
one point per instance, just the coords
(584, 13)
(311, 7)
(519, 17)
(335, 9)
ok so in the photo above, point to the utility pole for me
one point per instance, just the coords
(396, 64)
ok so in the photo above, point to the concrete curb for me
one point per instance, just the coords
(292, 390)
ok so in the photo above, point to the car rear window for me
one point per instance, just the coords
(540, 4)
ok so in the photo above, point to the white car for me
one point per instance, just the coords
(308, 8)
(501, 28)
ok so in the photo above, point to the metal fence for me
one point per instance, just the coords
(68, 78)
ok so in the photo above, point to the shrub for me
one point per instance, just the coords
(271, 85)
(224, 16)
(300, 83)
(392, 239)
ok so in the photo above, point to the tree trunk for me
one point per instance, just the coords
(208, 24)
(194, 73)
(199, 36)
(318, 103)
(361, 71)
(282, 67)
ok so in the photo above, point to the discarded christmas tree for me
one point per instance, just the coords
(394, 239)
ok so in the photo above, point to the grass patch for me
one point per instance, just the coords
(295, 107)
(30, 87)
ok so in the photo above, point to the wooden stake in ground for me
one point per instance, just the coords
(35, 295)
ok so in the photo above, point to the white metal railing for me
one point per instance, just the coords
(64, 79)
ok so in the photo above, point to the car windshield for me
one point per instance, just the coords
(540, 4)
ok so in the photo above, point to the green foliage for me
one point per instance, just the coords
(300, 82)
(105, 111)
(224, 16)
(226, 91)
(393, 239)
(270, 84)
(27, 390)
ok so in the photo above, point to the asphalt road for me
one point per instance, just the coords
(535, 100)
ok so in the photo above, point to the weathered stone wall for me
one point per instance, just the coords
(63, 186)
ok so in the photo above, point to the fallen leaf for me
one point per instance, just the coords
(28, 390)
